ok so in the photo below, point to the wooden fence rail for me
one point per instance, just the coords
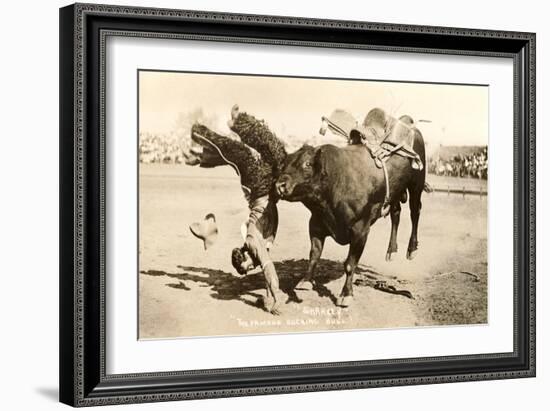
(481, 191)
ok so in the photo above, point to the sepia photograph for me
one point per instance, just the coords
(272, 204)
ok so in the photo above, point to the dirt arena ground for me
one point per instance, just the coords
(187, 291)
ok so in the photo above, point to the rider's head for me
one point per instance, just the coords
(241, 260)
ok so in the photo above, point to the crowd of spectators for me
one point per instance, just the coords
(460, 165)
(161, 148)
(170, 148)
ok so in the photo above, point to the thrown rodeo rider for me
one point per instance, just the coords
(257, 176)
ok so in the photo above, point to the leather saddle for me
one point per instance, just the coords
(385, 135)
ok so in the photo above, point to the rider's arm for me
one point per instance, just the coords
(256, 246)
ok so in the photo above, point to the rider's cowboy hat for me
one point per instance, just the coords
(206, 230)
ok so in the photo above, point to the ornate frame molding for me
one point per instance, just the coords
(82, 363)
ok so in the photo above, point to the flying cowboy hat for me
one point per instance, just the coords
(206, 230)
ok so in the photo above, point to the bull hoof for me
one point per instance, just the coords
(411, 254)
(344, 301)
(389, 256)
(304, 285)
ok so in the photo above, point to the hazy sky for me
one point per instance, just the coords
(291, 106)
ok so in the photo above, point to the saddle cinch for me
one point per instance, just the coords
(382, 134)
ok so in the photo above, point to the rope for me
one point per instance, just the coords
(382, 285)
(335, 129)
(385, 208)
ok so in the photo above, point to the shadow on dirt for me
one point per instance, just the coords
(227, 286)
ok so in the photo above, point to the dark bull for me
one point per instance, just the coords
(345, 191)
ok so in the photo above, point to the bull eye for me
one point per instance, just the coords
(307, 164)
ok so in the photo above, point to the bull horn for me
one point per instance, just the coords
(206, 230)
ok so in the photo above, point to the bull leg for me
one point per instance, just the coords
(317, 237)
(357, 245)
(395, 213)
(415, 204)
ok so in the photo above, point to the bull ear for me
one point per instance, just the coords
(316, 160)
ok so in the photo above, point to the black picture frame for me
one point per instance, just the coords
(83, 30)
